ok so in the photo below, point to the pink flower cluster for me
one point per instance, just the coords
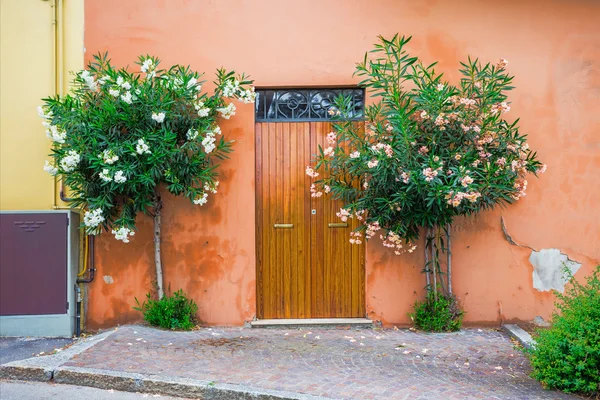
(404, 177)
(430, 173)
(394, 241)
(328, 152)
(455, 199)
(500, 108)
(466, 181)
(423, 150)
(355, 237)
(314, 192)
(386, 147)
(343, 214)
(311, 172)
(372, 228)
(373, 163)
(521, 186)
(331, 136)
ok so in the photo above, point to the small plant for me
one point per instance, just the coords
(567, 355)
(170, 312)
(439, 313)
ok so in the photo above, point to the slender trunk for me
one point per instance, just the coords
(427, 277)
(157, 260)
(434, 264)
(449, 259)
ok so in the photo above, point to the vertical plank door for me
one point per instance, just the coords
(306, 267)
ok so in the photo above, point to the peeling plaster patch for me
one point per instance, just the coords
(108, 279)
(548, 269)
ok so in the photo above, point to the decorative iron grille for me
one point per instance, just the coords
(305, 104)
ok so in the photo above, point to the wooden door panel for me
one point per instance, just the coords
(309, 270)
(340, 263)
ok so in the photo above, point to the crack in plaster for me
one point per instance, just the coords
(549, 265)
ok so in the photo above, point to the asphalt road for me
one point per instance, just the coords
(10, 390)
(20, 348)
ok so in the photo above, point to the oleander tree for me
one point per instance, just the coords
(427, 152)
(122, 136)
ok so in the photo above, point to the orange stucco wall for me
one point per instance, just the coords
(554, 51)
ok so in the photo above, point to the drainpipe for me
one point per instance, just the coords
(89, 279)
(92, 267)
(78, 311)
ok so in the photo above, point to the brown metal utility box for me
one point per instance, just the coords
(38, 264)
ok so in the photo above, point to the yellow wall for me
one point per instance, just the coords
(40, 41)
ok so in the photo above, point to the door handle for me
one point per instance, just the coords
(283, 226)
(338, 225)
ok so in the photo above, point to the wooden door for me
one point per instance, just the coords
(306, 266)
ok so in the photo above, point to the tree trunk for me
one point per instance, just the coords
(449, 259)
(157, 260)
(434, 264)
(427, 278)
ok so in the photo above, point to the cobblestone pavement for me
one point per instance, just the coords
(334, 363)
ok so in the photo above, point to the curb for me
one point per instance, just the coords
(519, 335)
(171, 386)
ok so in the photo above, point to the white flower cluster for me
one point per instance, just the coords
(148, 68)
(213, 188)
(209, 142)
(142, 148)
(160, 117)
(119, 176)
(105, 175)
(109, 157)
(191, 134)
(122, 83)
(194, 82)
(202, 200)
(248, 96)
(41, 113)
(123, 234)
(93, 218)
(88, 79)
(231, 88)
(51, 169)
(202, 111)
(54, 134)
(127, 98)
(227, 111)
(70, 161)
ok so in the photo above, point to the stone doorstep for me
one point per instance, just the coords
(313, 322)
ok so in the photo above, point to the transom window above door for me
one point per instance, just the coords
(305, 104)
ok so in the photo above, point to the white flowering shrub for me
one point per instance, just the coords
(121, 134)
(428, 151)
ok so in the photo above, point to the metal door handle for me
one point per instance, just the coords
(285, 226)
(338, 225)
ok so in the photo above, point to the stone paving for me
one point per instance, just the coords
(333, 363)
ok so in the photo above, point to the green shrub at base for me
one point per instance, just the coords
(171, 312)
(438, 313)
(567, 355)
